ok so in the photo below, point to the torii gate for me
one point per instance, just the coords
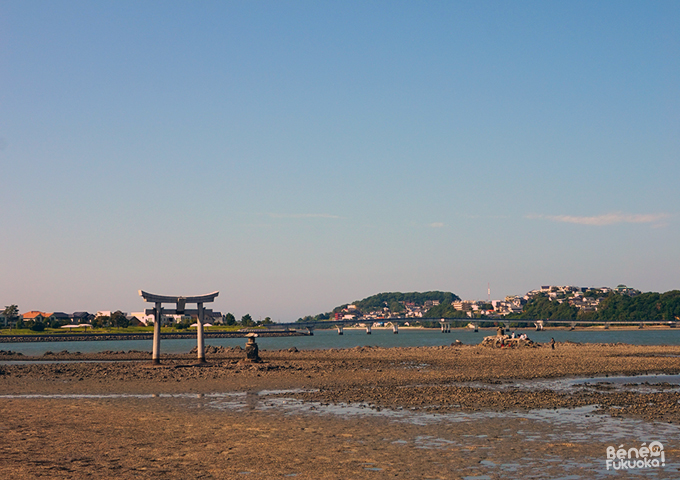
(180, 302)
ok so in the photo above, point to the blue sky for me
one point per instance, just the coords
(300, 155)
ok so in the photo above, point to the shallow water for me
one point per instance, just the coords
(325, 339)
(541, 427)
(545, 426)
(51, 362)
(275, 400)
(630, 383)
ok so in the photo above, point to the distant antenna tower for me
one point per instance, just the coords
(488, 291)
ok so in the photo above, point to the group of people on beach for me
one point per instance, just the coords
(523, 336)
(513, 335)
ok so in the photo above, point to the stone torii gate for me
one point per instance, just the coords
(179, 309)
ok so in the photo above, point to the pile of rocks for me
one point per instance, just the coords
(216, 350)
(9, 353)
(506, 341)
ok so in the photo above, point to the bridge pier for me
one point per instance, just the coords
(446, 327)
(642, 325)
(339, 329)
(573, 326)
(476, 324)
(395, 328)
(368, 329)
(539, 325)
(606, 325)
(310, 331)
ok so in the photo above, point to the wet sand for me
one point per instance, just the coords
(442, 427)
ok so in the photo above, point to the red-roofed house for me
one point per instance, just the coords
(37, 316)
(33, 315)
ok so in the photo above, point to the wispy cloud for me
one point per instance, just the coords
(484, 217)
(436, 225)
(301, 215)
(606, 219)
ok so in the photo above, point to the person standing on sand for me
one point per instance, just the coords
(552, 343)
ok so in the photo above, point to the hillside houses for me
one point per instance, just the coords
(583, 298)
(57, 319)
(586, 299)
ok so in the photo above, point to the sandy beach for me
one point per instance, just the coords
(430, 412)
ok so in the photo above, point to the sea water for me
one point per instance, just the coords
(325, 339)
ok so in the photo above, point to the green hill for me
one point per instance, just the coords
(648, 306)
(392, 300)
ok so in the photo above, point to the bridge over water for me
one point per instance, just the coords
(445, 323)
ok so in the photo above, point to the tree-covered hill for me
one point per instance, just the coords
(650, 306)
(541, 307)
(444, 310)
(392, 300)
(646, 306)
(613, 306)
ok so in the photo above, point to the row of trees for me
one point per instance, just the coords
(230, 320)
(246, 321)
(116, 319)
(11, 317)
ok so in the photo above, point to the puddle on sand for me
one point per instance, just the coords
(52, 362)
(549, 426)
(567, 424)
(637, 383)
(429, 442)
(97, 396)
(563, 420)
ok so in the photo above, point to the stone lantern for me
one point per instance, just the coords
(252, 350)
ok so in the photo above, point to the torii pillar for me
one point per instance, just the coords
(180, 302)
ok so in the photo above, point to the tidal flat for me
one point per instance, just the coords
(414, 412)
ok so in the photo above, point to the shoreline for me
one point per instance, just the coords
(370, 365)
(84, 336)
(95, 337)
(274, 419)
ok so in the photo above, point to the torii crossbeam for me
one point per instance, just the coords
(180, 303)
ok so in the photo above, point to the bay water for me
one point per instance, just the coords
(325, 339)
